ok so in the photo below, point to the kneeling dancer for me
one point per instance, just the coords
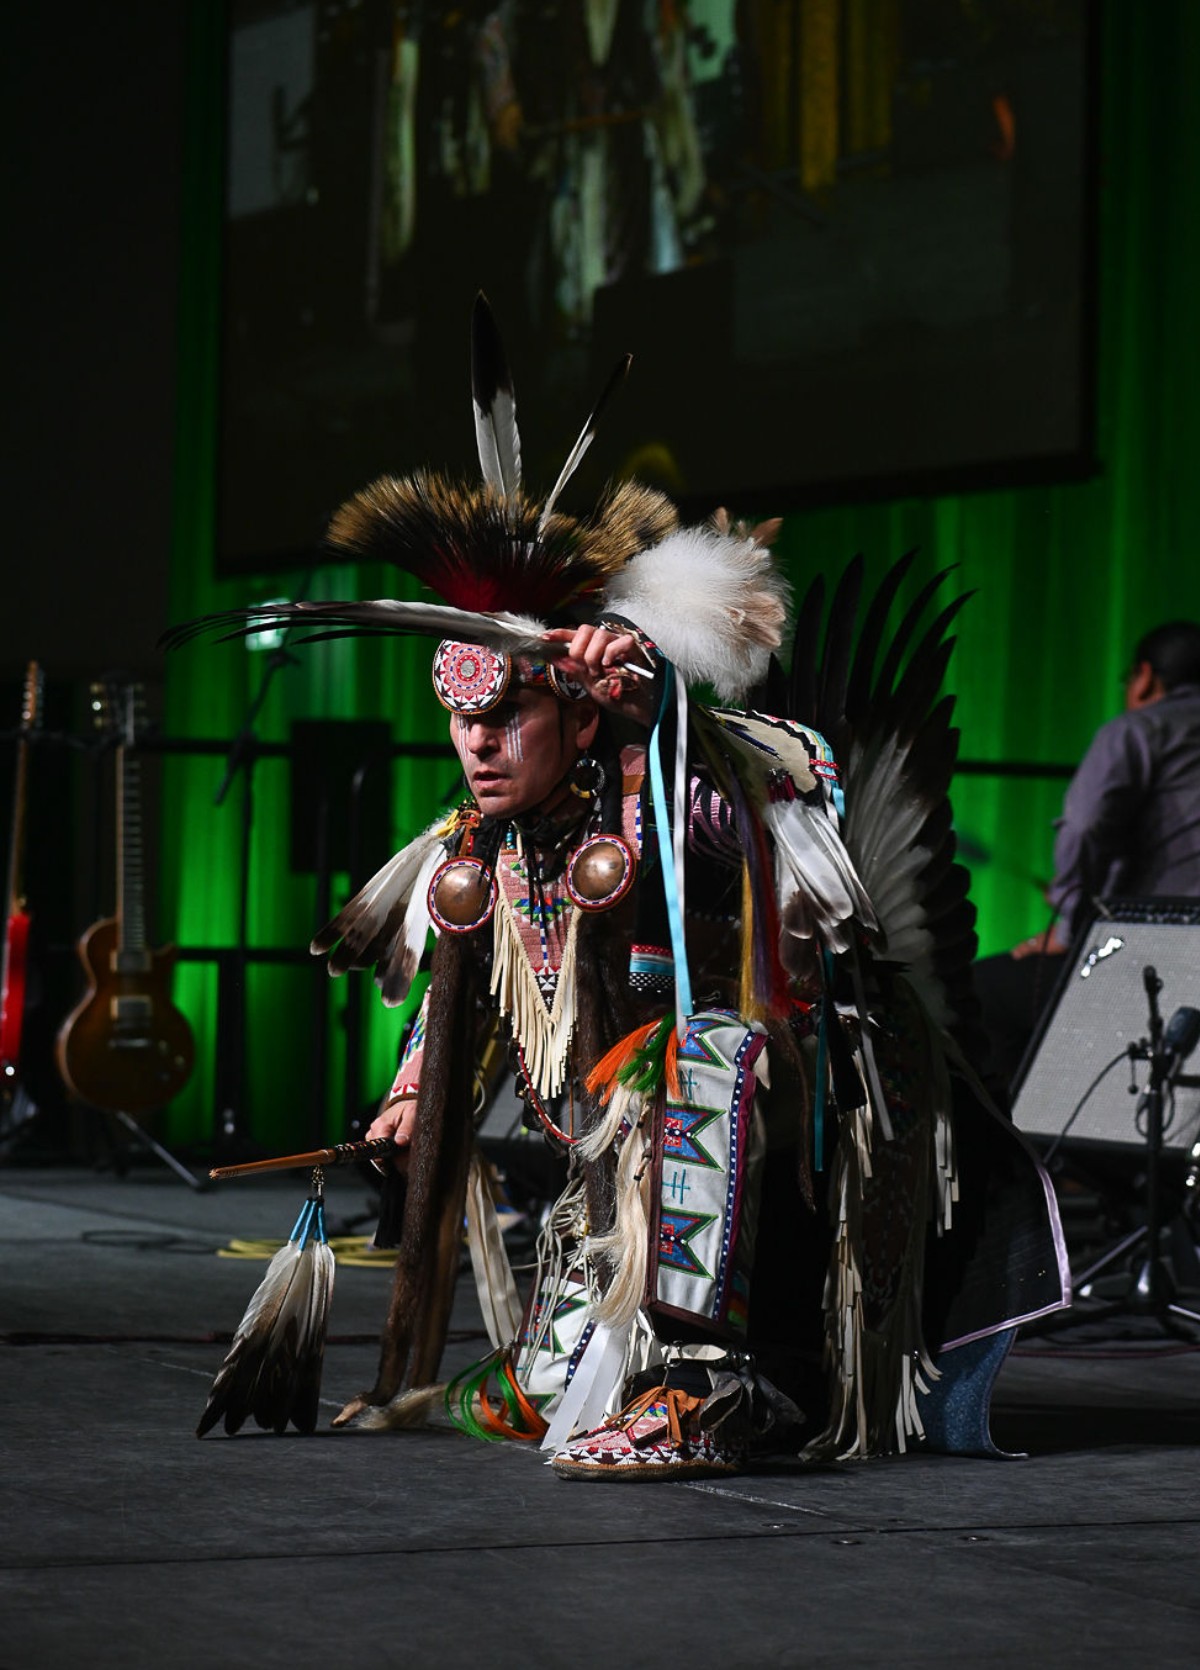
(730, 970)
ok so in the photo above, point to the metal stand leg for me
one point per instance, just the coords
(164, 1154)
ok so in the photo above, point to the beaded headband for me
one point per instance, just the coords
(471, 678)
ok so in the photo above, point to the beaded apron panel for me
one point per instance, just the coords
(708, 1159)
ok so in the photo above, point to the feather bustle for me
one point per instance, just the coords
(895, 742)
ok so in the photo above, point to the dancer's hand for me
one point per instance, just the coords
(396, 1121)
(612, 667)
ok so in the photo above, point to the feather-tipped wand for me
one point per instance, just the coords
(273, 1370)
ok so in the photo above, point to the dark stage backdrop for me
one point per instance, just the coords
(1066, 577)
(848, 243)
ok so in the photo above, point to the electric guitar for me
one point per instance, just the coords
(16, 934)
(125, 1048)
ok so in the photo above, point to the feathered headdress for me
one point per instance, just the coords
(507, 568)
(507, 571)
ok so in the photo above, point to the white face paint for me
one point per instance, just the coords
(512, 733)
(514, 747)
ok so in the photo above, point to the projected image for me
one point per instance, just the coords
(844, 240)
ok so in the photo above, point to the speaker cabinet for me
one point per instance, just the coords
(1099, 1007)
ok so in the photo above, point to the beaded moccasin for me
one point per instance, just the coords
(659, 1435)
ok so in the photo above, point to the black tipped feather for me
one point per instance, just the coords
(903, 636)
(495, 403)
(839, 645)
(272, 1373)
(586, 436)
(866, 651)
(805, 654)
(892, 731)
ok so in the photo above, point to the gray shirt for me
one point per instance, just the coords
(1131, 817)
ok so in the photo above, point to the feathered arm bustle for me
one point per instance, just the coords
(386, 923)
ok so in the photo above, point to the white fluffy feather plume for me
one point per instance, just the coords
(712, 601)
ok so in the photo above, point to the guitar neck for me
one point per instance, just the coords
(131, 869)
(31, 718)
(16, 851)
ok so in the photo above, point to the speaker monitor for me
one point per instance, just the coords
(1099, 1007)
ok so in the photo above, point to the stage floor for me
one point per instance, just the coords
(125, 1542)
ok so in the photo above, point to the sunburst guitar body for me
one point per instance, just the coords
(125, 1048)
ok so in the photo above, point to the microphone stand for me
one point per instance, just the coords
(230, 1136)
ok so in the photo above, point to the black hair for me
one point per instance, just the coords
(1173, 651)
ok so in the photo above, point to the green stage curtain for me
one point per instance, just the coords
(1065, 579)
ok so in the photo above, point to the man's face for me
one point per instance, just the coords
(517, 755)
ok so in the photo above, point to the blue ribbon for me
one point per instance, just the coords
(658, 796)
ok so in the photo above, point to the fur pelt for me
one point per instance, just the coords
(430, 1242)
(418, 1316)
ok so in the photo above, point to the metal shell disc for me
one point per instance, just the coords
(600, 872)
(462, 895)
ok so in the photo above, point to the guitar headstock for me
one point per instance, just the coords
(33, 701)
(119, 708)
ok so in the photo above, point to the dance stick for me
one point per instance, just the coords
(344, 1154)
